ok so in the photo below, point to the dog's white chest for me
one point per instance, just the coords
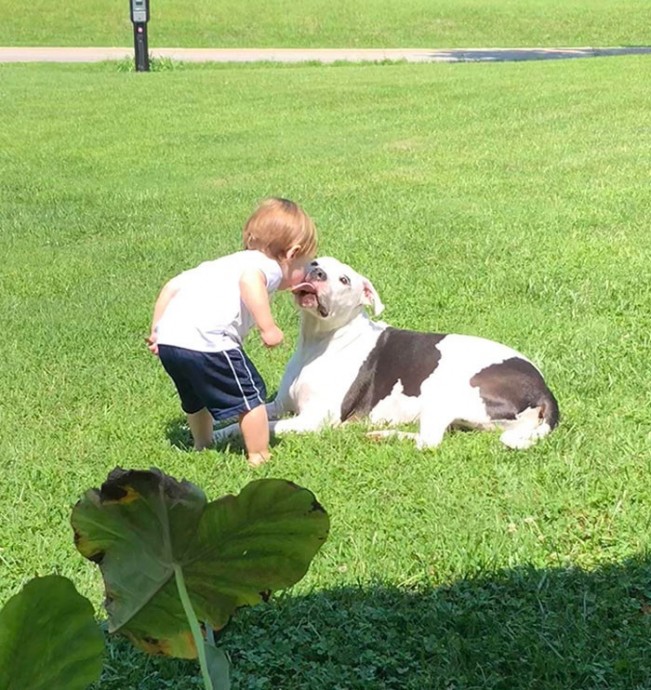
(321, 378)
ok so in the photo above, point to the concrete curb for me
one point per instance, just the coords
(323, 55)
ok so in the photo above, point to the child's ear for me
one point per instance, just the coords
(292, 252)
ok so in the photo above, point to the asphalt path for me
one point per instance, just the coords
(324, 55)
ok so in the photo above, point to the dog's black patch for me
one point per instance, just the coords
(406, 356)
(512, 386)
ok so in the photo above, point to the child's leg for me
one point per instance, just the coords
(200, 424)
(255, 432)
(181, 365)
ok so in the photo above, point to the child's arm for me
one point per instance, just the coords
(253, 291)
(164, 298)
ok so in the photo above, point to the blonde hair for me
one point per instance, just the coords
(276, 226)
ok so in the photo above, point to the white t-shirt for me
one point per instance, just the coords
(207, 314)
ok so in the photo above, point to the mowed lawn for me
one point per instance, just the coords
(332, 24)
(509, 201)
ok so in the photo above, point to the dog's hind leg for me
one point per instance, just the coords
(525, 430)
(431, 439)
(391, 433)
(433, 425)
(434, 421)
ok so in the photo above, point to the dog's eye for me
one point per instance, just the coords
(345, 280)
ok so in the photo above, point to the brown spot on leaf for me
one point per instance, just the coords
(265, 594)
(122, 495)
(82, 546)
(112, 493)
(125, 486)
(181, 646)
(153, 646)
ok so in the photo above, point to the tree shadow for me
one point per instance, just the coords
(517, 629)
(528, 54)
(528, 629)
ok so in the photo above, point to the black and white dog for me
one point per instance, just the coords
(347, 366)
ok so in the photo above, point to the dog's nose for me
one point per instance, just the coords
(318, 273)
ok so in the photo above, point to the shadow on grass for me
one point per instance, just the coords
(520, 629)
(528, 54)
(178, 433)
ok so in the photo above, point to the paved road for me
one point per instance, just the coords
(325, 55)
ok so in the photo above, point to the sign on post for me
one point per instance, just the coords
(139, 18)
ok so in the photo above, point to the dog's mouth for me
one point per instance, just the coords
(306, 297)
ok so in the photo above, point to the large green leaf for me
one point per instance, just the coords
(232, 552)
(49, 638)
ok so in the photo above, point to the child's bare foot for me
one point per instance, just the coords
(257, 459)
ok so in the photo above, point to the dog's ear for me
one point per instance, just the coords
(371, 298)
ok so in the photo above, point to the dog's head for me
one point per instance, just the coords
(333, 293)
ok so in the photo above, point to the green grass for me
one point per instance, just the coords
(333, 24)
(508, 200)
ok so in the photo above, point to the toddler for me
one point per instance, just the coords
(202, 316)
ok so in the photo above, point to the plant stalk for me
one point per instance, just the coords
(194, 626)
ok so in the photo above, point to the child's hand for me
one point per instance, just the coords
(272, 336)
(152, 343)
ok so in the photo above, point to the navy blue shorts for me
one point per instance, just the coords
(226, 383)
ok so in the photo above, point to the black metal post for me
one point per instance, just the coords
(140, 46)
(139, 18)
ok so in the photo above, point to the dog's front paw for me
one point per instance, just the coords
(220, 437)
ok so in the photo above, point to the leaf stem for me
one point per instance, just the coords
(194, 626)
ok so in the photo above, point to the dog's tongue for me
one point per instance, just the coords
(304, 287)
